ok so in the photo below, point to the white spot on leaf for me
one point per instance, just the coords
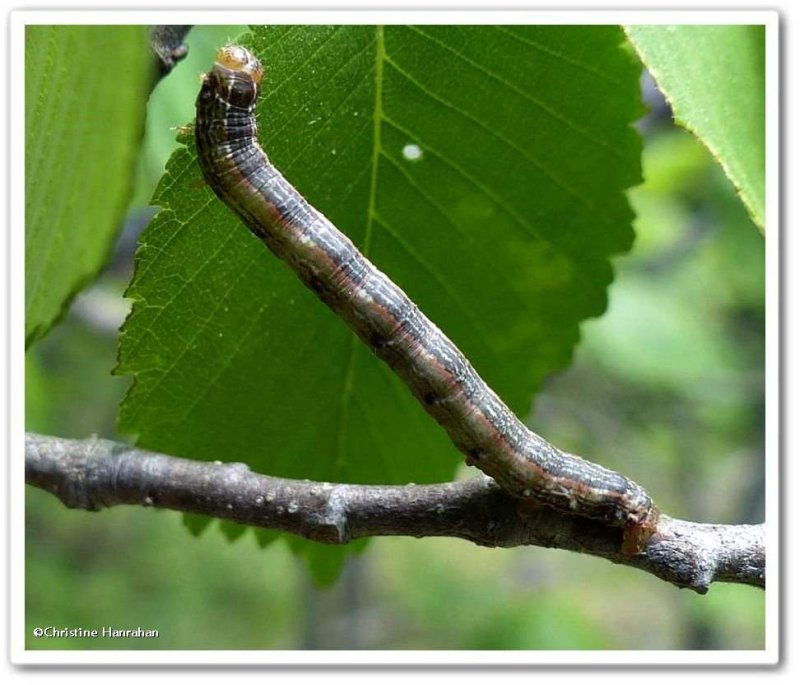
(412, 152)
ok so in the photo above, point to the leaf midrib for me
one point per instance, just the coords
(377, 120)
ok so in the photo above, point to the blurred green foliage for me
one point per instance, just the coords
(668, 387)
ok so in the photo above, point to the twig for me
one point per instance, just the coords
(94, 474)
(168, 47)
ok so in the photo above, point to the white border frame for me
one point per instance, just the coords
(18, 653)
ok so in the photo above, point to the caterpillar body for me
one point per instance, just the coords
(440, 377)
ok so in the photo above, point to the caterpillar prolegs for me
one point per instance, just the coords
(480, 425)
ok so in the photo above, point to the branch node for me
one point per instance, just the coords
(332, 526)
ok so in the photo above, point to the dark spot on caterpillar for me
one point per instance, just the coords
(377, 341)
(242, 93)
(474, 455)
(316, 284)
(206, 93)
(430, 397)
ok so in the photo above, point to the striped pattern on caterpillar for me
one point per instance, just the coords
(480, 425)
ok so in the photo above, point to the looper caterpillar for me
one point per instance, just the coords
(480, 425)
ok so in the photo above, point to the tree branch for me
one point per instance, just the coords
(168, 47)
(95, 474)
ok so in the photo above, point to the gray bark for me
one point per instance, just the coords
(94, 474)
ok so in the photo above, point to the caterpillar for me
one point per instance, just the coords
(439, 376)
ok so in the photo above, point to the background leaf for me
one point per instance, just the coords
(500, 228)
(85, 93)
(713, 76)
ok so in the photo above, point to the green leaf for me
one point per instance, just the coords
(85, 93)
(501, 230)
(325, 562)
(231, 530)
(196, 524)
(713, 77)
